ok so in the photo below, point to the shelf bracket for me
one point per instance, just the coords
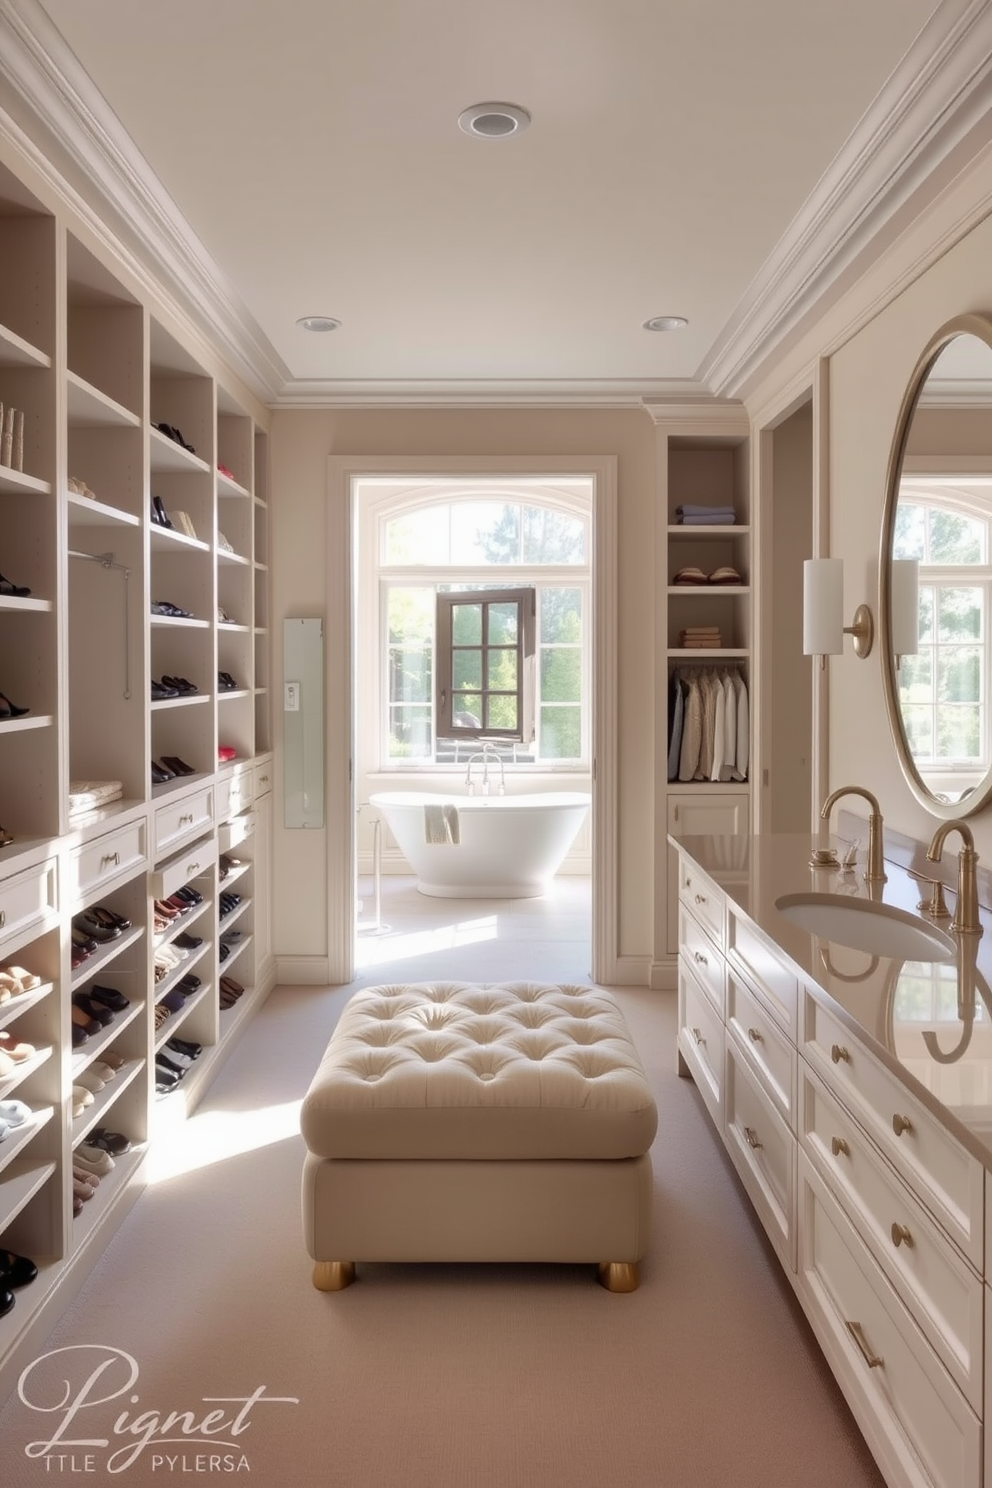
(107, 560)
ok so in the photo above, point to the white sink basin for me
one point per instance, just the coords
(866, 925)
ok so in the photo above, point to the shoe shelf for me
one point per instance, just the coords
(167, 540)
(97, 961)
(20, 1137)
(228, 487)
(175, 622)
(191, 700)
(89, 408)
(197, 1000)
(23, 1071)
(234, 955)
(104, 1100)
(13, 482)
(14, 604)
(22, 1178)
(25, 725)
(168, 457)
(97, 1043)
(16, 352)
(114, 1186)
(19, 1002)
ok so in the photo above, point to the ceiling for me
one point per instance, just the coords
(305, 158)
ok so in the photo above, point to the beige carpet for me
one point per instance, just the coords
(435, 1376)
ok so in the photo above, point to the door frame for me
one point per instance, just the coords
(343, 471)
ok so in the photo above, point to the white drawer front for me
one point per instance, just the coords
(234, 793)
(887, 1368)
(172, 875)
(762, 966)
(262, 777)
(28, 899)
(701, 1039)
(188, 817)
(104, 858)
(949, 1181)
(771, 1056)
(937, 1285)
(699, 952)
(763, 1150)
(703, 900)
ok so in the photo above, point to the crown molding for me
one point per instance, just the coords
(483, 393)
(96, 170)
(905, 149)
(709, 415)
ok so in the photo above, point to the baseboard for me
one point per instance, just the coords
(664, 975)
(303, 971)
(630, 971)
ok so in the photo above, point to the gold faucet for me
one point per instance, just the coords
(966, 918)
(875, 867)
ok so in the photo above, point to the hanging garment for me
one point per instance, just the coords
(692, 729)
(743, 729)
(676, 713)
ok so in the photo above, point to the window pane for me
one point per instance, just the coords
(916, 678)
(561, 615)
(954, 538)
(410, 616)
(466, 670)
(417, 537)
(409, 732)
(918, 722)
(959, 678)
(502, 671)
(909, 532)
(501, 712)
(409, 676)
(467, 709)
(466, 625)
(561, 675)
(561, 733)
(958, 733)
(503, 624)
(959, 614)
(926, 613)
(553, 536)
(485, 532)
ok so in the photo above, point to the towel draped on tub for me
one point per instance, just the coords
(441, 824)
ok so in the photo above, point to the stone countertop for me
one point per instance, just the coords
(928, 1022)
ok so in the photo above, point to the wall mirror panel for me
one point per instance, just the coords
(935, 573)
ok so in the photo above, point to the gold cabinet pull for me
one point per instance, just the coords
(697, 1035)
(698, 956)
(901, 1235)
(700, 898)
(3, 918)
(855, 1330)
(839, 1054)
(754, 1035)
(839, 1146)
(191, 868)
(901, 1124)
(751, 1137)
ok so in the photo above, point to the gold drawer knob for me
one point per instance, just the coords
(697, 1035)
(901, 1124)
(838, 1146)
(855, 1330)
(839, 1054)
(901, 1235)
(751, 1137)
(700, 898)
(754, 1035)
(698, 956)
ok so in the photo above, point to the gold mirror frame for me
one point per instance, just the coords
(979, 326)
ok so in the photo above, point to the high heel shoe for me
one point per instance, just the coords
(10, 710)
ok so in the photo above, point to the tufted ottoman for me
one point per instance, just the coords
(463, 1122)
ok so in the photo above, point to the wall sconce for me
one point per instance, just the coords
(904, 599)
(823, 612)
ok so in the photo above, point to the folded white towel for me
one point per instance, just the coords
(441, 825)
(452, 825)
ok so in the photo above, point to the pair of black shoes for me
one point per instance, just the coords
(15, 1271)
(168, 768)
(159, 514)
(191, 896)
(226, 682)
(180, 686)
(172, 611)
(171, 432)
(228, 902)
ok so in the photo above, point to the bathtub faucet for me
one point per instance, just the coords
(488, 752)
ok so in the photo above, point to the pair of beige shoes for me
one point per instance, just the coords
(183, 522)
(13, 1052)
(14, 979)
(80, 488)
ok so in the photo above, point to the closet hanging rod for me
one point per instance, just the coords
(107, 560)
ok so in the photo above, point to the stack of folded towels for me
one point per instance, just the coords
(700, 638)
(705, 516)
(87, 795)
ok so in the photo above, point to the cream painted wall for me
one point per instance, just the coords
(301, 441)
(868, 377)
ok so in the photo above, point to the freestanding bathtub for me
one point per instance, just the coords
(508, 847)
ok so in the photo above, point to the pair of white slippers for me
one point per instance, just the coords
(14, 979)
(13, 1113)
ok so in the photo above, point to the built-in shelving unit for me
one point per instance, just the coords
(98, 368)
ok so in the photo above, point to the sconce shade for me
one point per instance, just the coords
(905, 600)
(823, 606)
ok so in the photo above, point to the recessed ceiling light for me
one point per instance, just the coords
(666, 323)
(318, 323)
(493, 120)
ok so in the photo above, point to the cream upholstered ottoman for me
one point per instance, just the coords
(465, 1122)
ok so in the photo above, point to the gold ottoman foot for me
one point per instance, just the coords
(333, 1276)
(618, 1276)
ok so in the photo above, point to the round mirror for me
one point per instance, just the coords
(935, 573)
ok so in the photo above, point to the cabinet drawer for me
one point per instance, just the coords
(772, 1057)
(188, 817)
(948, 1180)
(234, 793)
(701, 1039)
(699, 953)
(761, 964)
(105, 858)
(702, 899)
(262, 777)
(896, 1385)
(941, 1291)
(172, 875)
(763, 1150)
(28, 899)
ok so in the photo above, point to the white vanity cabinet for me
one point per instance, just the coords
(876, 1209)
